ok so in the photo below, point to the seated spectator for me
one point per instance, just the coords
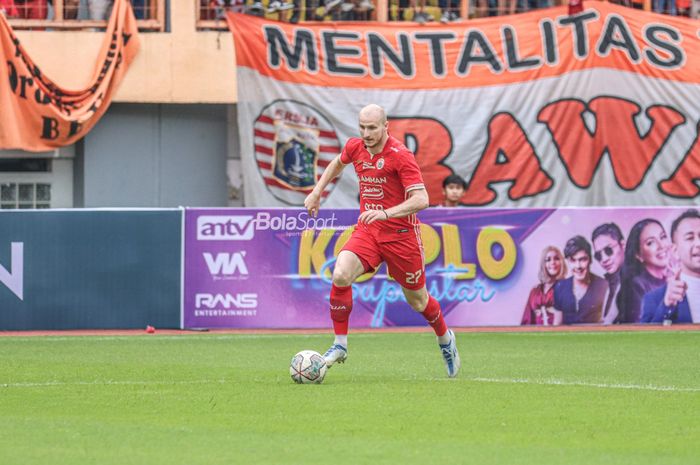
(665, 6)
(7, 7)
(420, 15)
(277, 6)
(308, 12)
(449, 9)
(348, 10)
(70, 9)
(538, 4)
(31, 9)
(140, 9)
(99, 9)
(507, 7)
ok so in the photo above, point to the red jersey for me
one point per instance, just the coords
(385, 181)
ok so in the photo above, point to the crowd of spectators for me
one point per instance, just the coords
(421, 11)
(72, 9)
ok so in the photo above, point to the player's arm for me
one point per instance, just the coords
(417, 200)
(312, 203)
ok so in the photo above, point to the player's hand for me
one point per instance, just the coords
(370, 216)
(675, 290)
(312, 203)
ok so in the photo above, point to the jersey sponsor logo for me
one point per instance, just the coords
(373, 179)
(293, 143)
(373, 206)
(371, 192)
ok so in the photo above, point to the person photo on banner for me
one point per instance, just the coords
(580, 297)
(647, 266)
(539, 309)
(678, 300)
(609, 252)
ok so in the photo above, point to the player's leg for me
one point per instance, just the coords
(358, 256)
(432, 313)
(406, 265)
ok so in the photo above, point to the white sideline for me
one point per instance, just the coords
(558, 382)
(547, 382)
(110, 383)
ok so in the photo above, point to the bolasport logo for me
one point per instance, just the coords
(243, 227)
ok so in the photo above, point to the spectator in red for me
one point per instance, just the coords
(31, 9)
(7, 7)
(70, 9)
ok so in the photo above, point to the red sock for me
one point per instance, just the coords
(433, 315)
(341, 306)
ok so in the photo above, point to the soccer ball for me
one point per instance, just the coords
(308, 367)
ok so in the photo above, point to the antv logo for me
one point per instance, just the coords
(14, 279)
(225, 228)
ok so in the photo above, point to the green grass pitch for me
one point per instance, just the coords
(521, 398)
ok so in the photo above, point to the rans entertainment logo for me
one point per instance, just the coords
(241, 300)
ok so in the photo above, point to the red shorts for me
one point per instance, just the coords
(404, 258)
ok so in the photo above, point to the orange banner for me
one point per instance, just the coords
(36, 113)
(482, 52)
(541, 109)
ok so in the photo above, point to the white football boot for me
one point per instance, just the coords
(336, 354)
(451, 355)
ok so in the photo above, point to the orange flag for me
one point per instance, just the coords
(36, 113)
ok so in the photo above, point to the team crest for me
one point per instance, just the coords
(296, 152)
(380, 163)
(293, 145)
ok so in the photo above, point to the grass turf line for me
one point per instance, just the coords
(222, 399)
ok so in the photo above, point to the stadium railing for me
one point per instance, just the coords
(150, 17)
(210, 13)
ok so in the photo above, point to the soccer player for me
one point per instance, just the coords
(391, 193)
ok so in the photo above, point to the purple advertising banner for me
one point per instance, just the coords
(271, 268)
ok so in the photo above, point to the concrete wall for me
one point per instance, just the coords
(142, 155)
(180, 66)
